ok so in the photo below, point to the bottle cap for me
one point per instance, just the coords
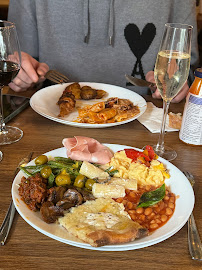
(198, 72)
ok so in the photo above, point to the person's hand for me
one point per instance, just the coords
(31, 72)
(180, 96)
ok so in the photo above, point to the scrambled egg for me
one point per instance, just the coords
(153, 175)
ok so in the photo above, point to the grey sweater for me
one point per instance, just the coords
(99, 40)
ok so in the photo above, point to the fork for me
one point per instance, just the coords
(1, 156)
(194, 241)
(56, 77)
(8, 220)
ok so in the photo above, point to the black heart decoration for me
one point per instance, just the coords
(139, 43)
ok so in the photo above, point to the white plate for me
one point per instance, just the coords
(44, 103)
(178, 183)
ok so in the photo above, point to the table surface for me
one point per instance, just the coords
(26, 248)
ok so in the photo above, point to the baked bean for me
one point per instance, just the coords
(171, 205)
(166, 198)
(119, 200)
(157, 209)
(142, 217)
(131, 212)
(158, 221)
(129, 205)
(148, 211)
(148, 188)
(132, 194)
(154, 226)
(172, 199)
(139, 210)
(168, 211)
(164, 218)
(161, 205)
(133, 217)
(124, 202)
(151, 216)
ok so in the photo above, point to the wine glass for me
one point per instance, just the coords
(10, 61)
(171, 72)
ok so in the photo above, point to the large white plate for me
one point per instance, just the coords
(44, 103)
(178, 183)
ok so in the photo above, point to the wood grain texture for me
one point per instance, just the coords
(26, 248)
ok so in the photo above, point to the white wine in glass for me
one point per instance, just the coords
(10, 62)
(171, 72)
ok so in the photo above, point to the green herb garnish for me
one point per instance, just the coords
(152, 197)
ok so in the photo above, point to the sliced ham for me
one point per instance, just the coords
(89, 149)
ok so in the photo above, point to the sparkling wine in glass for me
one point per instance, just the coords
(171, 72)
(10, 61)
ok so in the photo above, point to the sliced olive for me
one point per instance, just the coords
(41, 160)
(89, 183)
(46, 172)
(63, 179)
(79, 181)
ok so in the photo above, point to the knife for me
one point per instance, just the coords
(8, 220)
(139, 82)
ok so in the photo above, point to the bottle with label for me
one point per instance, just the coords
(191, 128)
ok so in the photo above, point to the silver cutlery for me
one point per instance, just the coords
(1, 156)
(194, 241)
(139, 82)
(8, 220)
(56, 77)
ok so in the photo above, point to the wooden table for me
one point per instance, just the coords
(26, 248)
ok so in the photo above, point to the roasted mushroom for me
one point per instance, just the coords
(74, 196)
(50, 212)
(88, 93)
(75, 89)
(56, 194)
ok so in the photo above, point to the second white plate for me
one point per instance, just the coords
(44, 103)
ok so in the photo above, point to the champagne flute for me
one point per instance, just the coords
(10, 61)
(171, 72)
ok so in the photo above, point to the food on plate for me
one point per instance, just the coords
(132, 164)
(156, 210)
(85, 92)
(89, 149)
(100, 202)
(88, 93)
(66, 103)
(108, 191)
(126, 183)
(102, 222)
(175, 120)
(109, 111)
(74, 91)
(91, 171)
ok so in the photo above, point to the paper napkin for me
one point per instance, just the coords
(152, 119)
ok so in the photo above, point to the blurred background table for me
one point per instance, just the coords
(26, 248)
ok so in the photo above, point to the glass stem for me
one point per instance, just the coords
(160, 144)
(2, 123)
